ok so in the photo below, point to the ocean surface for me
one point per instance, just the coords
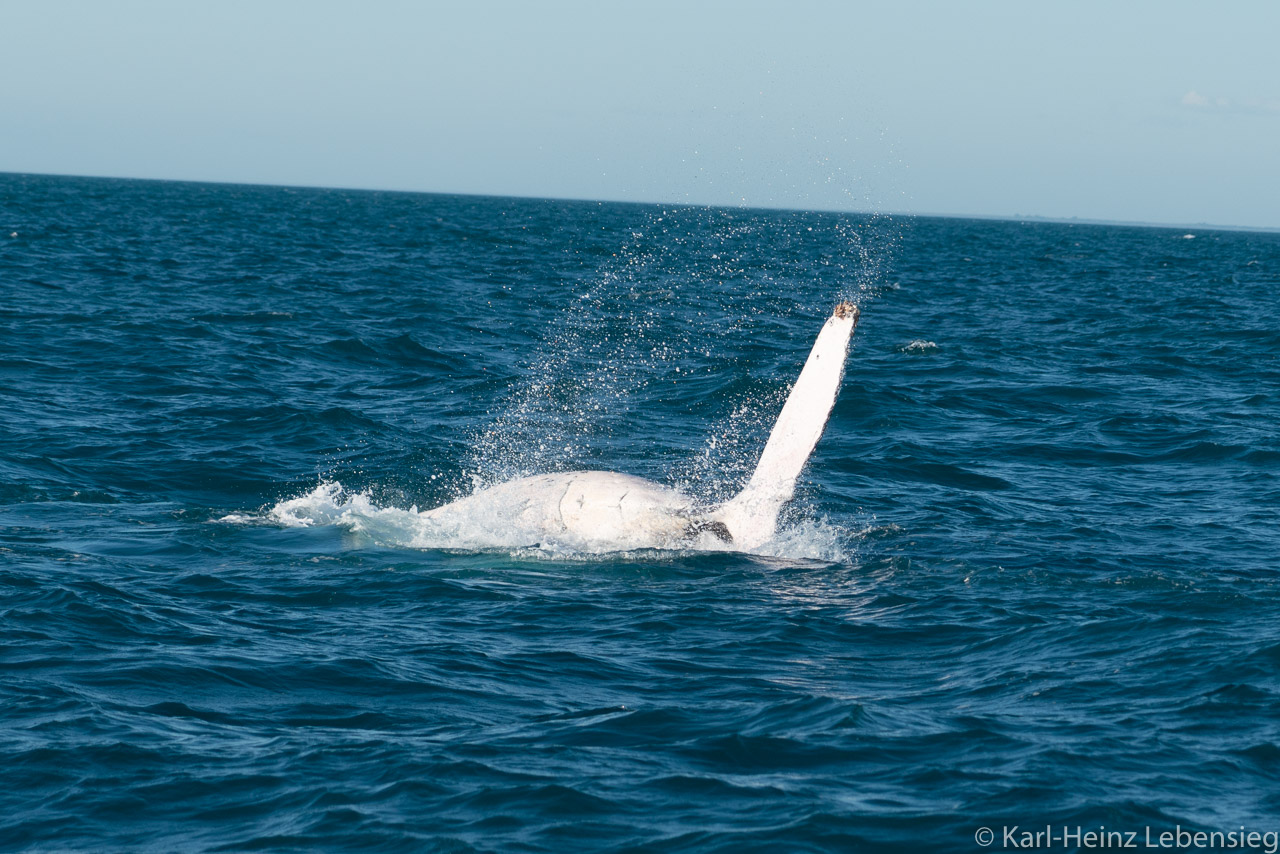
(1030, 578)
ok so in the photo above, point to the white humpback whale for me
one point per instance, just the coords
(602, 511)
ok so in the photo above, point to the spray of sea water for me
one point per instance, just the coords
(644, 330)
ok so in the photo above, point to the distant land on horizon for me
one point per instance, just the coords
(1072, 220)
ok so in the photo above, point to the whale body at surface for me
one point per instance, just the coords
(601, 511)
(587, 511)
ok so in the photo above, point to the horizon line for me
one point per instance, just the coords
(1063, 220)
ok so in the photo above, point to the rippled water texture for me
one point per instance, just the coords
(1030, 577)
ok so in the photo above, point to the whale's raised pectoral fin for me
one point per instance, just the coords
(752, 515)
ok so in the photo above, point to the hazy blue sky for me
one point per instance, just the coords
(1158, 111)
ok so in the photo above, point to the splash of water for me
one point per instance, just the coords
(650, 315)
(329, 504)
(648, 320)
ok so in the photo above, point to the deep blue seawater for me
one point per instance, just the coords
(1030, 579)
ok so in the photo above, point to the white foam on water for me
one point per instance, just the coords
(329, 504)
